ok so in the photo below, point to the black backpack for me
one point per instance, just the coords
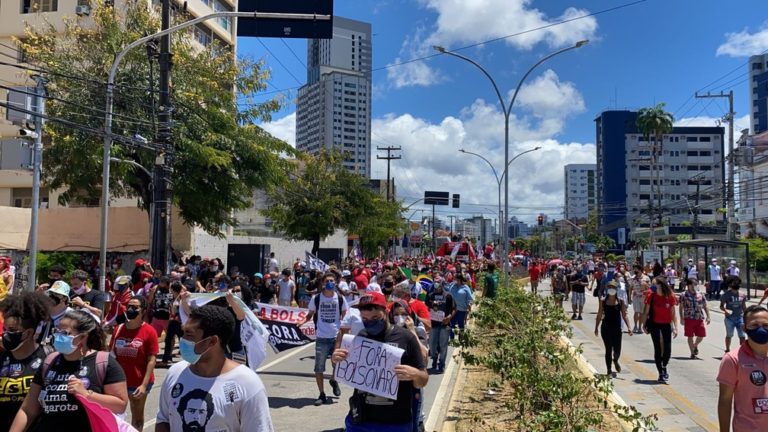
(316, 300)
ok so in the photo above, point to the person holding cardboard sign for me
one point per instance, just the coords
(369, 412)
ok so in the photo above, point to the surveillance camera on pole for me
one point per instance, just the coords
(28, 133)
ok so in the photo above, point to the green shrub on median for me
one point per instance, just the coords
(517, 338)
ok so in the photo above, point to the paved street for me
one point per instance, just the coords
(689, 401)
(291, 388)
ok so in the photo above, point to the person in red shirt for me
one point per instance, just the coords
(141, 274)
(361, 276)
(417, 306)
(533, 273)
(742, 377)
(135, 347)
(660, 321)
(121, 295)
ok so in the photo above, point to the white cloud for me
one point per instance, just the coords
(744, 43)
(432, 161)
(471, 21)
(283, 128)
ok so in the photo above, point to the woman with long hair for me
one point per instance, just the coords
(660, 322)
(79, 368)
(136, 347)
(611, 311)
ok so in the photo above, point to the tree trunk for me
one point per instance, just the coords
(315, 244)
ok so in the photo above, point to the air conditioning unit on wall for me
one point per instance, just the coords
(83, 10)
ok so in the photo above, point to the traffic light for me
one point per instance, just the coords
(455, 201)
(540, 220)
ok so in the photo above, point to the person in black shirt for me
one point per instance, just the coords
(22, 355)
(441, 311)
(578, 283)
(77, 368)
(373, 412)
(85, 298)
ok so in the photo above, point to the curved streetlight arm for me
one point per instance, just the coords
(442, 50)
(578, 44)
(131, 163)
(517, 156)
(495, 174)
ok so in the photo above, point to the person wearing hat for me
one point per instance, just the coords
(715, 278)
(348, 287)
(374, 413)
(733, 269)
(141, 274)
(58, 294)
(121, 295)
(690, 270)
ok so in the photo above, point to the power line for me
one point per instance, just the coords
(279, 62)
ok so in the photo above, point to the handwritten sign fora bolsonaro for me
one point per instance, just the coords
(370, 366)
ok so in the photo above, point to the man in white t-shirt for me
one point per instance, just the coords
(206, 391)
(327, 309)
(348, 287)
(272, 263)
(714, 281)
(733, 269)
(286, 289)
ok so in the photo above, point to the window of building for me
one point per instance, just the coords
(21, 55)
(705, 153)
(645, 182)
(33, 6)
(692, 139)
(644, 167)
(645, 196)
(693, 167)
(693, 153)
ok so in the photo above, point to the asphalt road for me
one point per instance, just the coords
(689, 401)
(290, 383)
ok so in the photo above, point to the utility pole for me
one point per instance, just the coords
(37, 167)
(730, 214)
(451, 217)
(696, 209)
(389, 158)
(161, 195)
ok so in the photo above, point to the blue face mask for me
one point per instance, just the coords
(187, 351)
(758, 335)
(63, 343)
(374, 327)
(330, 286)
(653, 288)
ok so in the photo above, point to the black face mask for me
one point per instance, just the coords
(131, 313)
(120, 319)
(11, 341)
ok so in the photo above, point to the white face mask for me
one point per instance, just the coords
(400, 320)
(611, 291)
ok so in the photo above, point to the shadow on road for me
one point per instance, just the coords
(646, 381)
(297, 403)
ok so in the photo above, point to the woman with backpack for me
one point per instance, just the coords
(136, 347)
(660, 322)
(610, 312)
(78, 369)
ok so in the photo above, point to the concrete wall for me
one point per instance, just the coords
(285, 251)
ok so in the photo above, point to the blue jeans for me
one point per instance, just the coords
(732, 324)
(458, 321)
(416, 404)
(438, 344)
(714, 289)
(375, 427)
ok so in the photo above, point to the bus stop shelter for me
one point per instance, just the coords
(723, 250)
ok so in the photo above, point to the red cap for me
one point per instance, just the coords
(140, 262)
(371, 298)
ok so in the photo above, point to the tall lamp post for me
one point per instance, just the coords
(507, 109)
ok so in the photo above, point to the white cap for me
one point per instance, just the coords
(373, 287)
(733, 261)
(714, 259)
(345, 273)
(690, 259)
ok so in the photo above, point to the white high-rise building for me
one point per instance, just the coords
(334, 107)
(580, 190)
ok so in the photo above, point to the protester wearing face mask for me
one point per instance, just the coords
(733, 304)
(326, 309)
(197, 393)
(441, 311)
(121, 295)
(693, 308)
(401, 315)
(83, 297)
(610, 313)
(160, 299)
(135, 347)
(661, 323)
(22, 354)
(377, 413)
(78, 369)
(742, 377)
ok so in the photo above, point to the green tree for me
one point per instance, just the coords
(220, 154)
(323, 196)
(653, 123)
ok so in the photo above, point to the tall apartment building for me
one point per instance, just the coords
(15, 175)
(580, 190)
(334, 107)
(758, 85)
(691, 170)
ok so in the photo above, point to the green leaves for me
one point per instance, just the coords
(322, 196)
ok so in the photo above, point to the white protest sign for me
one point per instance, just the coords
(370, 366)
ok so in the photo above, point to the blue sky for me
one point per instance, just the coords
(653, 51)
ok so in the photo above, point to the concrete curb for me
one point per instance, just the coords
(449, 423)
(589, 371)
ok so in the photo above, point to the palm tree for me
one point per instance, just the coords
(655, 122)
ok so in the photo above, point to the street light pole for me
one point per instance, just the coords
(507, 109)
(110, 97)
